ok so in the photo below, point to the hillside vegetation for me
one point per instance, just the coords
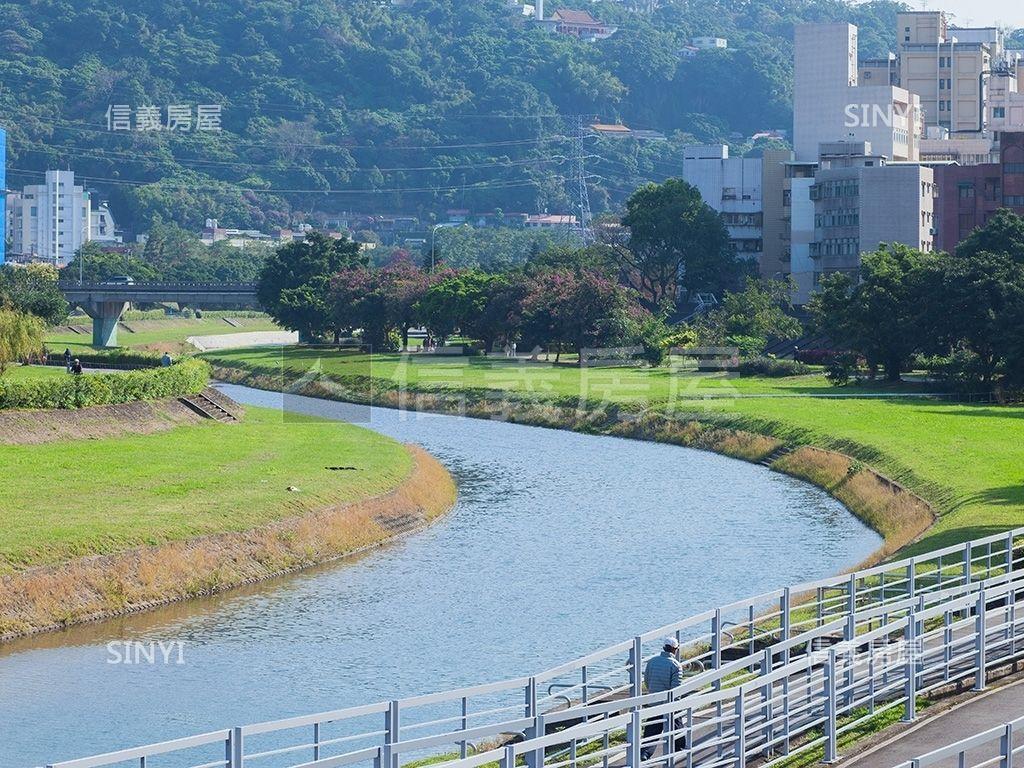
(332, 105)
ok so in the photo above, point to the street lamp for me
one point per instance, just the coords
(433, 232)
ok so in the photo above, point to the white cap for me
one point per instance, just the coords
(671, 642)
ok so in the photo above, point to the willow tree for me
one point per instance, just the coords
(21, 336)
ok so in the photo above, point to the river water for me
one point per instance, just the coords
(560, 543)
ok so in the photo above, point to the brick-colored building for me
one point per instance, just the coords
(970, 195)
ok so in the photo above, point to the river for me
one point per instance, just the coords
(560, 543)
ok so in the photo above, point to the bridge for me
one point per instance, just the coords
(105, 303)
(772, 678)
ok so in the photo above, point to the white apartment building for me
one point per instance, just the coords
(732, 186)
(50, 221)
(830, 103)
(102, 226)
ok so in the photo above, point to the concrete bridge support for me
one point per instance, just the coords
(105, 317)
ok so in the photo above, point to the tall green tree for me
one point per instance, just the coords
(33, 290)
(879, 316)
(676, 243)
(294, 284)
(21, 336)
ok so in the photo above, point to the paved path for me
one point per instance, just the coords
(245, 339)
(975, 715)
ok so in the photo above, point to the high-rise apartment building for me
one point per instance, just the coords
(947, 68)
(831, 104)
(50, 221)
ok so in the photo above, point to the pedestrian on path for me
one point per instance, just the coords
(76, 367)
(67, 360)
(165, 361)
(662, 673)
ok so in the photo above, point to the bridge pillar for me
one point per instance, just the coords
(105, 317)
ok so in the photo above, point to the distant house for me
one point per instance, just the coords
(619, 131)
(698, 44)
(551, 221)
(580, 24)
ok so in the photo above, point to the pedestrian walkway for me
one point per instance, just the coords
(979, 713)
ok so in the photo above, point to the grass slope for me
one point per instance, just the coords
(967, 460)
(169, 333)
(66, 499)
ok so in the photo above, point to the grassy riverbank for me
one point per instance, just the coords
(964, 459)
(70, 498)
(185, 506)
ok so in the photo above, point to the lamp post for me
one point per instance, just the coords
(433, 232)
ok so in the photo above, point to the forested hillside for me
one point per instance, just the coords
(334, 105)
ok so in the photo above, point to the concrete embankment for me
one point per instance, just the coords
(102, 586)
(893, 511)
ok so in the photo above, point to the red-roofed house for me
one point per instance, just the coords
(581, 24)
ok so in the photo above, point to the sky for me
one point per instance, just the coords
(981, 13)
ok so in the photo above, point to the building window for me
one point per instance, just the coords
(998, 112)
(966, 190)
(1017, 201)
(1013, 168)
(966, 222)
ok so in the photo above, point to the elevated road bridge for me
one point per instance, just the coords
(106, 302)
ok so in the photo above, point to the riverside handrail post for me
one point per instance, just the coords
(1006, 747)
(534, 731)
(508, 760)
(786, 620)
(910, 685)
(1009, 552)
(830, 707)
(716, 662)
(636, 661)
(235, 748)
(316, 742)
(535, 758)
(967, 562)
(392, 734)
(741, 728)
(979, 643)
(463, 744)
(766, 704)
(633, 735)
(912, 577)
(850, 634)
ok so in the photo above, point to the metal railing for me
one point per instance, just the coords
(749, 645)
(995, 746)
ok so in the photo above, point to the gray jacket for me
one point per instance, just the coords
(663, 673)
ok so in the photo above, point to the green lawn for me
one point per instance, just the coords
(64, 499)
(968, 460)
(28, 372)
(169, 333)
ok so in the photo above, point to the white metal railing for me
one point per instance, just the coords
(747, 639)
(995, 746)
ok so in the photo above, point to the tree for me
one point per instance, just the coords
(33, 289)
(294, 284)
(978, 303)
(1003, 233)
(753, 317)
(455, 301)
(21, 336)
(881, 316)
(676, 242)
(96, 263)
(575, 309)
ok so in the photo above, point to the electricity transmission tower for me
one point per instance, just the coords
(579, 159)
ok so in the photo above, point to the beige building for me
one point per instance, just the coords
(946, 68)
(775, 254)
(831, 103)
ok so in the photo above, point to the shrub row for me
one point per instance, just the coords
(69, 392)
(772, 367)
(114, 358)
